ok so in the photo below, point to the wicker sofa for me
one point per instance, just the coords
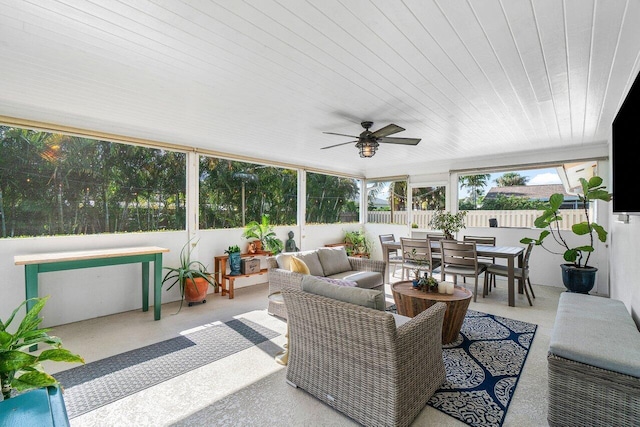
(332, 263)
(356, 360)
(593, 364)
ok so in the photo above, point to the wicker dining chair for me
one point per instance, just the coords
(461, 259)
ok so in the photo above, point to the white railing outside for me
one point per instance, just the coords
(506, 218)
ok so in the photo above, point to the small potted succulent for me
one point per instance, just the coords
(234, 259)
(428, 283)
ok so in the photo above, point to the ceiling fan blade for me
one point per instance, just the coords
(405, 141)
(387, 130)
(337, 145)
(341, 134)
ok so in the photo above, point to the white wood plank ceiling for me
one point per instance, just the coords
(475, 79)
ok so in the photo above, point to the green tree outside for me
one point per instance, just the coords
(55, 184)
(510, 179)
(476, 184)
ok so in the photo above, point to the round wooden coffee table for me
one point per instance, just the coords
(411, 302)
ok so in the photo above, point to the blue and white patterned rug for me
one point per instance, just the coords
(483, 367)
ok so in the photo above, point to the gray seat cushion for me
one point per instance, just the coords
(333, 260)
(596, 331)
(364, 297)
(338, 282)
(364, 279)
(463, 270)
(400, 319)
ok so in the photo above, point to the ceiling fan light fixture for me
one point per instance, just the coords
(367, 148)
(367, 143)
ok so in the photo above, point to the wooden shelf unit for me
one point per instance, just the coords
(220, 271)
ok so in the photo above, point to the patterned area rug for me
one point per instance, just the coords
(483, 367)
(95, 384)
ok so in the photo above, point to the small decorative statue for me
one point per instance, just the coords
(290, 245)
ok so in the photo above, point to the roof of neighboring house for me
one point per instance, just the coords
(532, 192)
(378, 202)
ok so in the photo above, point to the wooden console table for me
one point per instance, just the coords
(410, 302)
(58, 261)
(220, 271)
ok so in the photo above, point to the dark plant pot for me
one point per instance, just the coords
(578, 280)
(415, 283)
(234, 264)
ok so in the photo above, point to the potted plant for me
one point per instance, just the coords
(357, 243)
(19, 370)
(193, 277)
(447, 222)
(577, 274)
(419, 263)
(263, 232)
(234, 259)
(426, 282)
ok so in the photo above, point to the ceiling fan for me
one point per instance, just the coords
(367, 142)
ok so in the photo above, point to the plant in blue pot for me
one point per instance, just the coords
(577, 275)
(418, 263)
(234, 260)
(20, 370)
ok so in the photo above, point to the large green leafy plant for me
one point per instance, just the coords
(263, 231)
(550, 221)
(19, 370)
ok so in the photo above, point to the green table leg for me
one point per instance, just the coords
(157, 286)
(145, 286)
(31, 289)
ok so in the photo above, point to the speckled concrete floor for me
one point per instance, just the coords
(248, 388)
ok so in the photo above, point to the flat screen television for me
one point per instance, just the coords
(625, 140)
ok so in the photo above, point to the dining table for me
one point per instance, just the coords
(509, 253)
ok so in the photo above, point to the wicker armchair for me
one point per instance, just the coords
(354, 358)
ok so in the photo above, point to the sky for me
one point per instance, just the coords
(536, 177)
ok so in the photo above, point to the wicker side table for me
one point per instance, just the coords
(410, 302)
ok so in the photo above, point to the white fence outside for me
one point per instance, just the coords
(507, 218)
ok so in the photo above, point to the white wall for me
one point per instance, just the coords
(93, 292)
(625, 264)
(88, 293)
(83, 293)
